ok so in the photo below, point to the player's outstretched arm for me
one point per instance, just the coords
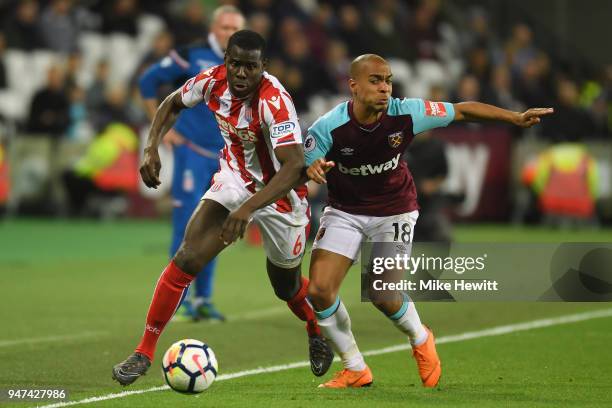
(292, 163)
(164, 119)
(477, 111)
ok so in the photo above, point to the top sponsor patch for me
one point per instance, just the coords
(282, 129)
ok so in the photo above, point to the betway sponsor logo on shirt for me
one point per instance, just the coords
(370, 169)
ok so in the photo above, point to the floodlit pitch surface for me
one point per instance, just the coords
(74, 297)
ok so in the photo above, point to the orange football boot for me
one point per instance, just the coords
(350, 379)
(427, 360)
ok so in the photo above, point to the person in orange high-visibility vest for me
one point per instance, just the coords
(564, 178)
(110, 164)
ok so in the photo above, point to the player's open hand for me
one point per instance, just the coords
(150, 167)
(532, 116)
(235, 224)
(317, 170)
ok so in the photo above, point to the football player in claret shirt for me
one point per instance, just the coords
(356, 149)
(261, 167)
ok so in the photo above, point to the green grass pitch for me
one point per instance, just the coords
(74, 297)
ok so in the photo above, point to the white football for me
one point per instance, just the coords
(189, 366)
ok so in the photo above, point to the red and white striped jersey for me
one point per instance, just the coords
(251, 127)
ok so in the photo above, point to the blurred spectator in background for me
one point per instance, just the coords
(261, 24)
(59, 26)
(383, 31)
(303, 77)
(351, 31)
(79, 128)
(500, 90)
(596, 99)
(429, 167)
(424, 31)
(468, 89)
(74, 65)
(22, 27)
(108, 168)
(190, 24)
(96, 91)
(519, 49)
(114, 108)
(337, 65)
(50, 107)
(317, 31)
(162, 45)
(564, 180)
(532, 84)
(120, 16)
(571, 122)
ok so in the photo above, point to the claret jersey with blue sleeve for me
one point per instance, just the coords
(370, 178)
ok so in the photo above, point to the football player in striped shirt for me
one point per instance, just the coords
(261, 166)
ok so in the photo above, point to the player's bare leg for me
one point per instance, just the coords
(327, 270)
(200, 245)
(290, 286)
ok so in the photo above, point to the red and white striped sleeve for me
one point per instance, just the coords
(196, 89)
(279, 116)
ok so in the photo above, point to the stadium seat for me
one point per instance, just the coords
(94, 48)
(149, 26)
(14, 104)
(402, 72)
(124, 57)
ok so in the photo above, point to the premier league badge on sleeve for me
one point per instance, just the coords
(395, 139)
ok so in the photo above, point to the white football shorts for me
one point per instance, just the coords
(343, 233)
(283, 233)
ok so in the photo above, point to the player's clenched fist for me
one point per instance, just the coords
(150, 167)
(317, 170)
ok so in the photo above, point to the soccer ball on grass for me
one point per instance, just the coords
(189, 366)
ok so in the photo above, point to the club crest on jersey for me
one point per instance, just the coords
(395, 139)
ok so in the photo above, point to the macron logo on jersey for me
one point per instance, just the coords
(370, 169)
(435, 109)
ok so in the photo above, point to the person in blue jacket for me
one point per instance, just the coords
(196, 142)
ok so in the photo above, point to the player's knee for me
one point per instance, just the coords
(188, 260)
(321, 295)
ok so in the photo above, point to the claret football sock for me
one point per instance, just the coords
(407, 320)
(335, 324)
(166, 299)
(303, 310)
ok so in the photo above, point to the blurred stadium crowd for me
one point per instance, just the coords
(68, 69)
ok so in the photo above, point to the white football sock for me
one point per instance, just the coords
(335, 325)
(407, 320)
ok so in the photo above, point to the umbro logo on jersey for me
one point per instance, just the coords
(347, 151)
(395, 139)
(370, 169)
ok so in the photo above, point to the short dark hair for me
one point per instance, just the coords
(247, 40)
